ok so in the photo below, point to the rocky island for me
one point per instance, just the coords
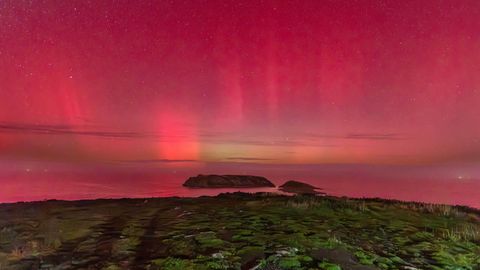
(227, 181)
(299, 188)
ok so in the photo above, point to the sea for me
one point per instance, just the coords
(457, 184)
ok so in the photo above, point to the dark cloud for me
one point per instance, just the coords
(249, 159)
(67, 130)
(213, 137)
(159, 160)
(277, 142)
(52, 129)
(361, 136)
(375, 136)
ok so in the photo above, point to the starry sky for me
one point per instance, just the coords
(282, 82)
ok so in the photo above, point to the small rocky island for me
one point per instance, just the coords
(299, 188)
(227, 181)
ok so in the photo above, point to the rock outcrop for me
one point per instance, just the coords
(227, 181)
(299, 188)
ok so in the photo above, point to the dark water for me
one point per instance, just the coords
(31, 182)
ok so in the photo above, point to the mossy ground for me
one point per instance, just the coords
(238, 231)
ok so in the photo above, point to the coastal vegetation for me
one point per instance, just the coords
(239, 231)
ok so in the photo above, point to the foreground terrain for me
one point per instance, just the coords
(238, 231)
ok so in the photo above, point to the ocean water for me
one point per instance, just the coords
(458, 185)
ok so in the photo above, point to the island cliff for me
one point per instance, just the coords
(227, 181)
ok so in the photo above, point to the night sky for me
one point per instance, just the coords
(284, 82)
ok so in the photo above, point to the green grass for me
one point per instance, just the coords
(239, 230)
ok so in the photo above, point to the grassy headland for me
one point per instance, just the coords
(238, 231)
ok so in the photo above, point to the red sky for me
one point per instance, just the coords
(240, 81)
